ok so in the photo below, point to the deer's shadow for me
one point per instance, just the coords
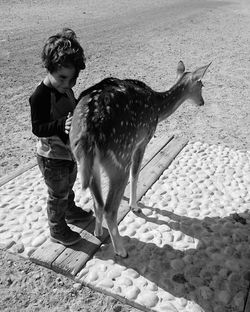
(214, 273)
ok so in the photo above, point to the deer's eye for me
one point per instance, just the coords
(200, 83)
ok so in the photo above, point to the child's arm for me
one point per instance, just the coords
(40, 118)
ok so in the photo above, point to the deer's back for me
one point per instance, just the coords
(116, 113)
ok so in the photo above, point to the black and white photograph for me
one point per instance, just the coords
(125, 156)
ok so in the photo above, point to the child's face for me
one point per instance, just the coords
(63, 78)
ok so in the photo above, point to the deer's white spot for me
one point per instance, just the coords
(102, 136)
(95, 98)
(88, 100)
(121, 88)
(114, 159)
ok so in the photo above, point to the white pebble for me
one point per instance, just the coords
(177, 264)
(224, 296)
(38, 241)
(167, 307)
(131, 293)
(239, 300)
(77, 286)
(148, 298)
(205, 292)
(92, 276)
(106, 283)
(132, 273)
(125, 281)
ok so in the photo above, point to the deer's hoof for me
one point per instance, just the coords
(122, 253)
(135, 209)
(98, 232)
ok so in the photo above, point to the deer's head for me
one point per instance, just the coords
(191, 82)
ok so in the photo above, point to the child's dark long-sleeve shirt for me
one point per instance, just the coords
(49, 110)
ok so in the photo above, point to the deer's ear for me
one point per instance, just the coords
(200, 72)
(180, 69)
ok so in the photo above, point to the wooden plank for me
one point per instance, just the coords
(17, 172)
(49, 251)
(71, 261)
(155, 145)
(247, 304)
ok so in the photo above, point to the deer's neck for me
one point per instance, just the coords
(170, 100)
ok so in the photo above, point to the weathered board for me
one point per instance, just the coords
(70, 260)
(48, 252)
(17, 172)
(247, 305)
(155, 146)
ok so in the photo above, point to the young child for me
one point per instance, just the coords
(52, 105)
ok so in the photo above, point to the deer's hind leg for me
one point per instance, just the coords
(96, 192)
(118, 179)
(134, 175)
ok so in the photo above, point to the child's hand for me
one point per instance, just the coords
(68, 123)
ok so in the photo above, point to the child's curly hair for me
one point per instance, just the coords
(63, 49)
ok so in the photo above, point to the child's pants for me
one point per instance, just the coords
(59, 176)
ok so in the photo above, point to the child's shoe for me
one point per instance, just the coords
(66, 238)
(77, 214)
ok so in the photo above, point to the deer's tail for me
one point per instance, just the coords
(84, 152)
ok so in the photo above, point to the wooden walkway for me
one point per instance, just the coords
(70, 260)
(247, 304)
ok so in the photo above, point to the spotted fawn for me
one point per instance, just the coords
(112, 124)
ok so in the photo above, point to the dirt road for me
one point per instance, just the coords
(128, 39)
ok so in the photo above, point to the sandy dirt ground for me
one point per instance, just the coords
(126, 39)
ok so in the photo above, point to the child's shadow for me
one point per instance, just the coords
(214, 273)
